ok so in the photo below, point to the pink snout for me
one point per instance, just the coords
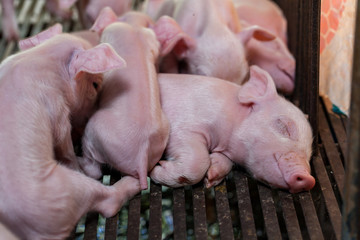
(296, 171)
(299, 182)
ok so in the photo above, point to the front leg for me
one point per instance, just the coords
(220, 166)
(188, 161)
(64, 149)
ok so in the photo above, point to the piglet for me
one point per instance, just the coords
(8, 20)
(201, 39)
(215, 123)
(54, 79)
(89, 10)
(129, 130)
(92, 37)
(60, 8)
(264, 13)
(273, 56)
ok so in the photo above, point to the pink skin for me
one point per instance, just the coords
(60, 8)
(92, 37)
(157, 8)
(272, 56)
(89, 10)
(131, 17)
(209, 44)
(203, 41)
(250, 125)
(272, 18)
(187, 40)
(137, 19)
(40, 198)
(129, 130)
(8, 19)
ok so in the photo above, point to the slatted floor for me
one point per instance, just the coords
(239, 208)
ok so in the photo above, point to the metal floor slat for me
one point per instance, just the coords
(340, 133)
(289, 214)
(311, 220)
(112, 223)
(91, 224)
(328, 195)
(269, 213)
(133, 224)
(199, 212)
(179, 213)
(331, 151)
(223, 212)
(245, 206)
(155, 211)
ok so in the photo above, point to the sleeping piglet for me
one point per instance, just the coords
(215, 123)
(272, 56)
(264, 13)
(54, 79)
(200, 38)
(129, 131)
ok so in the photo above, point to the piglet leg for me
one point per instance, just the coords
(9, 23)
(91, 167)
(187, 164)
(64, 151)
(220, 166)
(62, 196)
(89, 194)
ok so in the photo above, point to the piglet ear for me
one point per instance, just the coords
(40, 37)
(99, 59)
(172, 38)
(259, 87)
(105, 18)
(255, 32)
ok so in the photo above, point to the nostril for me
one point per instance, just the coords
(95, 85)
(301, 182)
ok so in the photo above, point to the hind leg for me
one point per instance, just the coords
(60, 196)
(188, 161)
(220, 166)
(67, 195)
(90, 167)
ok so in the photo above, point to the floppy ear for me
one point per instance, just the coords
(40, 37)
(105, 18)
(259, 87)
(99, 59)
(172, 38)
(255, 32)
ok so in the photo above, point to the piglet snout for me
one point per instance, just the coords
(296, 172)
(299, 182)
